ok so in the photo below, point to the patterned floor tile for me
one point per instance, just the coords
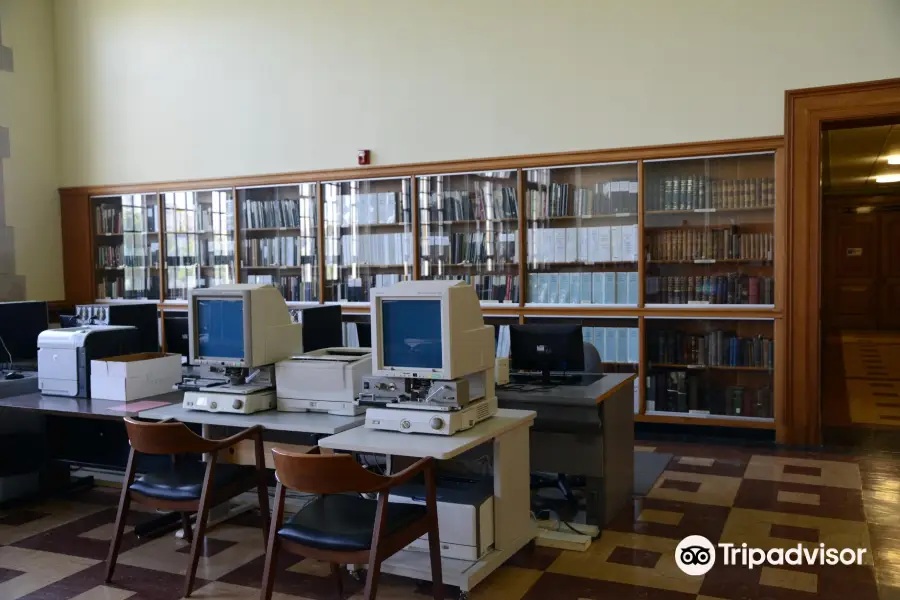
(557, 586)
(630, 559)
(24, 523)
(807, 471)
(38, 570)
(708, 466)
(802, 499)
(671, 519)
(291, 580)
(105, 592)
(227, 591)
(678, 486)
(506, 583)
(144, 584)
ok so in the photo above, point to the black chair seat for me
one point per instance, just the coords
(345, 523)
(185, 481)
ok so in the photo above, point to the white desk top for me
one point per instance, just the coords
(419, 445)
(270, 419)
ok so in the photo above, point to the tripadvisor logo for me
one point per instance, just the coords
(695, 555)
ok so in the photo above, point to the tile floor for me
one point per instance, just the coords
(55, 550)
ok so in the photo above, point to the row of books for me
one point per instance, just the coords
(716, 349)
(732, 288)
(387, 249)
(294, 288)
(128, 288)
(291, 251)
(286, 212)
(112, 220)
(187, 251)
(126, 255)
(484, 203)
(493, 288)
(208, 221)
(179, 285)
(476, 247)
(357, 289)
(586, 245)
(615, 344)
(370, 209)
(583, 288)
(698, 192)
(690, 245)
(685, 392)
(564, 200)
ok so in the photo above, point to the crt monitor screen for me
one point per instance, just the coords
(220, 328)
(411, 334)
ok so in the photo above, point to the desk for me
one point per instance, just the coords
(584, 430)
(513, 527)
(273, 420)
(80, 407)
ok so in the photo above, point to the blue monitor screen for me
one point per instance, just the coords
(220, 328)
(411, 333)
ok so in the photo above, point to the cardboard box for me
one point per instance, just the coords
(134, 376)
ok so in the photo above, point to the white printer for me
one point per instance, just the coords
(65, 355)
(327, 380)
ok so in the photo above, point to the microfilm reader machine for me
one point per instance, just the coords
(240, 331)
(432, 359)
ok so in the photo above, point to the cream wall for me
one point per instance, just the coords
(27, 109)
(156, 90)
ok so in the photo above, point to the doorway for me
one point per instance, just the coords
(860, 282)
(809, 114)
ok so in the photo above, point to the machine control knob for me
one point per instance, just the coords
(437, 423)
(405, 424)
(237, 405)
(213, 405)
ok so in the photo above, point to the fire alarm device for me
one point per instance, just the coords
(362, 157)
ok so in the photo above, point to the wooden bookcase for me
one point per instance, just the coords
(670, 257)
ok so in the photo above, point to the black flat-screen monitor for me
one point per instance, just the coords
(364, 334)
(20, 325)
(546, 348)
(176, 327)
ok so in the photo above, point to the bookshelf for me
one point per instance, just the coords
(583, 235)
(609, 231)
(709, 232)
(199, 240)
(469, 231)
(368, 236)
(126, 247)
(278, 239)
(710, 368)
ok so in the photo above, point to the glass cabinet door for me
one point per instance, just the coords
(126, 234)
(703, 367)
(583, 235)
(368, 236)
(279, 229)
(709, 231)
(199, 240)
(469, 231)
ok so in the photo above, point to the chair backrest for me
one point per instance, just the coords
(324, 474)
(166, 438)
(592, 361)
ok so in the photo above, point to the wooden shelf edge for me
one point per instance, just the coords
(679, 419)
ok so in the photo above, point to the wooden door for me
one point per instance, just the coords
(890, 269)
(851, 248)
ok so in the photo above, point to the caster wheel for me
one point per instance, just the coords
(463, 595)
(358, 574)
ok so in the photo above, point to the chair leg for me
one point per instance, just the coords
(372, 577)
(200, 531)
(186, 527)
(124, 504)
(268, 580)
(434, 550)
(262, 491)
(338, 580)
(375, 550)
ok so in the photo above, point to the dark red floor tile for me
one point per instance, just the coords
(835, 503)
(696, 519)
(553, 586)
(146, 584)
(289, 582)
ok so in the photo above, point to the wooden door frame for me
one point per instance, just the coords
(806, 111)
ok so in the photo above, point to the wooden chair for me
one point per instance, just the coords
(187, 487)
(340, 528)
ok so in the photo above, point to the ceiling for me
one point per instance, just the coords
(853, 157)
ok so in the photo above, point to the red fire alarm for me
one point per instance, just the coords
(362, 157)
